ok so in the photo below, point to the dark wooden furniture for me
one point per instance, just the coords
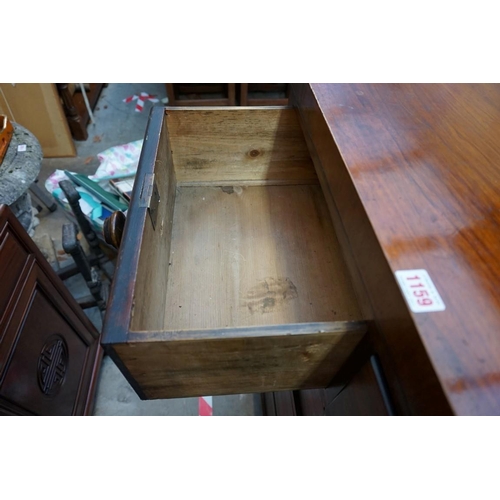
(75, 109)
(264, 94)
(405, 178)
(49, 350)
(113, 229)
(411, 175)
(201, 94)
(363, 393)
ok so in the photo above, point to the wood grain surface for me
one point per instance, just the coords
(153, 268)
(37, 106)
(256, 255)
(238, 144)
(395, 338)
(222, 303)
(424, 163)
(238, 360)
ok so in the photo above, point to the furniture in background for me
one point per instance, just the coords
(49, 350)
(201, 94)
(264, 94)
(37, 106)
(54, 113)
(224, 94)
(89, 266)
(75, 107)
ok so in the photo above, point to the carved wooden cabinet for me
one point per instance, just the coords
(49, 350)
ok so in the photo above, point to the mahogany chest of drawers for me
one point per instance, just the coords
(262, 247)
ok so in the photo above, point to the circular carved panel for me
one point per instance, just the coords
(52, 365)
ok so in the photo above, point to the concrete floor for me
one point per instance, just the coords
(117, 123)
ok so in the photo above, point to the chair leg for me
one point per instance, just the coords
(43, 196)
(72, 246)
(73, 197)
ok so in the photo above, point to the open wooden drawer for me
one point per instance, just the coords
(230, 278)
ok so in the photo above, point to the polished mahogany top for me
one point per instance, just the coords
(425, 161)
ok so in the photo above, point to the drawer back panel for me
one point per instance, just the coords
(238, 145)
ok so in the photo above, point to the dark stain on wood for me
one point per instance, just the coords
(269, 294)
(254, 153)
(196, 163)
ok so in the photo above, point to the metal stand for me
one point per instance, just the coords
(84, 264)
(43, 196)
(72, 246)
(97, 256)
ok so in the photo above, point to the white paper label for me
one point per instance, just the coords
(21, 147)
(419, 291)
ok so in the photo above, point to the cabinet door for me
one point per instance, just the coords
(49, 350)
(47, 367)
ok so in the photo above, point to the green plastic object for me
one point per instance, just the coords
(92, 187)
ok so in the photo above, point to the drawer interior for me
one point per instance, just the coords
(241, 283)
(254, 255)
